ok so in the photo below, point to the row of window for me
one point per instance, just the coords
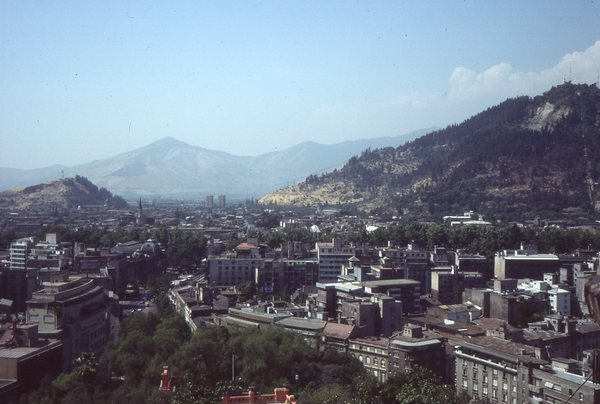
(375, 362)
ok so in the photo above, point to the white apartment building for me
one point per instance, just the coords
(332, 257)
(18, 254)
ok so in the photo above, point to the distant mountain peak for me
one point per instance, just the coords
(169, 141)
(169, 167)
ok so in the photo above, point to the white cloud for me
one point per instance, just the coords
(503, 80)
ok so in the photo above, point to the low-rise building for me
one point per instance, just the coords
(25, 359)
(373, 353)
(417, 347)
(496, 370)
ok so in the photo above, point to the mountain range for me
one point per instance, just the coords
(525, 157)
(174, 169)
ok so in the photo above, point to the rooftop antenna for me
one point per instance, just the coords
(570, 71)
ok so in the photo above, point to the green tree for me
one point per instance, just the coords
(416, 386)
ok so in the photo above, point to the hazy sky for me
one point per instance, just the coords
(83, 80)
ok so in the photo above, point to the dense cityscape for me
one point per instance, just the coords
(505, 312)
(282, 202)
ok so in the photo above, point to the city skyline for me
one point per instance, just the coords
(85, 82)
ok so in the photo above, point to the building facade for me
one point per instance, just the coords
(77, 312)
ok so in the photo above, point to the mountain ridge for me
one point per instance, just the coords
(524, 156)
(172, 168)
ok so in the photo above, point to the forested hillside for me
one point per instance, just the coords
(525, 156)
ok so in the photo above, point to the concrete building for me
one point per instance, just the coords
(25, 359)
(490, 368)
(283, 276)
(496, 370)
(506, 302)
(417, 347)
(446, 286)
(222, 202)
(231, 271)
(77, 312)
(560, 301)
(460, 313)
(519, 264)
(408, 291)
(332, 257)
(418, 267)
(19, 251)
(473, 263)
(373, 353)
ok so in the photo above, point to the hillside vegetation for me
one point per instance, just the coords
(535, 156)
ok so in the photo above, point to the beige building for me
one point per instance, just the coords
(77, 312)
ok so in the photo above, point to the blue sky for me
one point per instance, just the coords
(85, 80)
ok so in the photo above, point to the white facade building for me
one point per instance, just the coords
(332, 257)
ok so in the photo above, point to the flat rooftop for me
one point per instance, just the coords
(391, 282)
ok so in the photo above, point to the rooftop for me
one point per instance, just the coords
(302, 323)
(391, 282)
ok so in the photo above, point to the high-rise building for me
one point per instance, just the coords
(18, 254)
(209, 202)
(221, 201)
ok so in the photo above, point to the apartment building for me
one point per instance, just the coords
(498, 371)
(231, 271)
(332, 257)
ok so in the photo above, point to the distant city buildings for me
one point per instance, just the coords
(519, 313)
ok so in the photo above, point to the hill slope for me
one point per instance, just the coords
(173, 168)
(61, 194)
(523, 156)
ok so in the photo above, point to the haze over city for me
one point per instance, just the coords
(83, 81)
